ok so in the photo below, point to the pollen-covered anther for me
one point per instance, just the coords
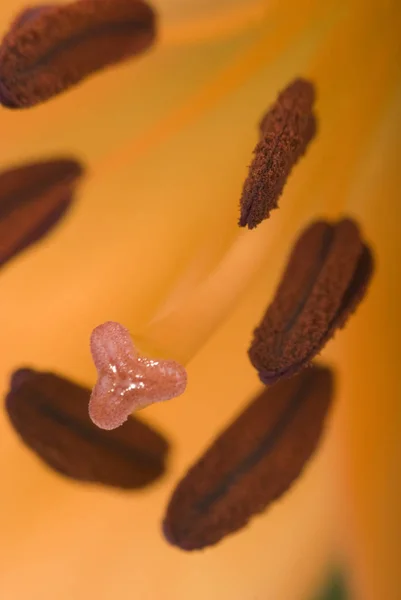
(34, 198)
(127, 381)
(51, 48)
(285, 132)
(327, 276)
(252, 463)
(49, 414)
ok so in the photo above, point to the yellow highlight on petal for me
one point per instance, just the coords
(188, 317)
(192, 22)
(272, 39)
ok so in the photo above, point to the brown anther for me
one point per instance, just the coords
(50, 414)
(326, 277)
(33, 198)
(50, 48)
(285, 132)
(252, 463)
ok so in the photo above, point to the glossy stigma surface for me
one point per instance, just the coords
(127, 381)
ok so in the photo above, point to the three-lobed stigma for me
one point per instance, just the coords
(127, 381)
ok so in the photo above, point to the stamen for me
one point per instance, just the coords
(50, 415)
(53, 47)
(285, 132)
(251, 463)
(327, 276)
(33, 198)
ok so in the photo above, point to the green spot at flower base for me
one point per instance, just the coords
(335, 589)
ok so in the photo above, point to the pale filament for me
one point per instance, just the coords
(127, 381)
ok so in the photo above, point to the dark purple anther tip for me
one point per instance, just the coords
(29, 13)
(19, 377)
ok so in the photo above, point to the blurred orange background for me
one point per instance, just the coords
(152, 242)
